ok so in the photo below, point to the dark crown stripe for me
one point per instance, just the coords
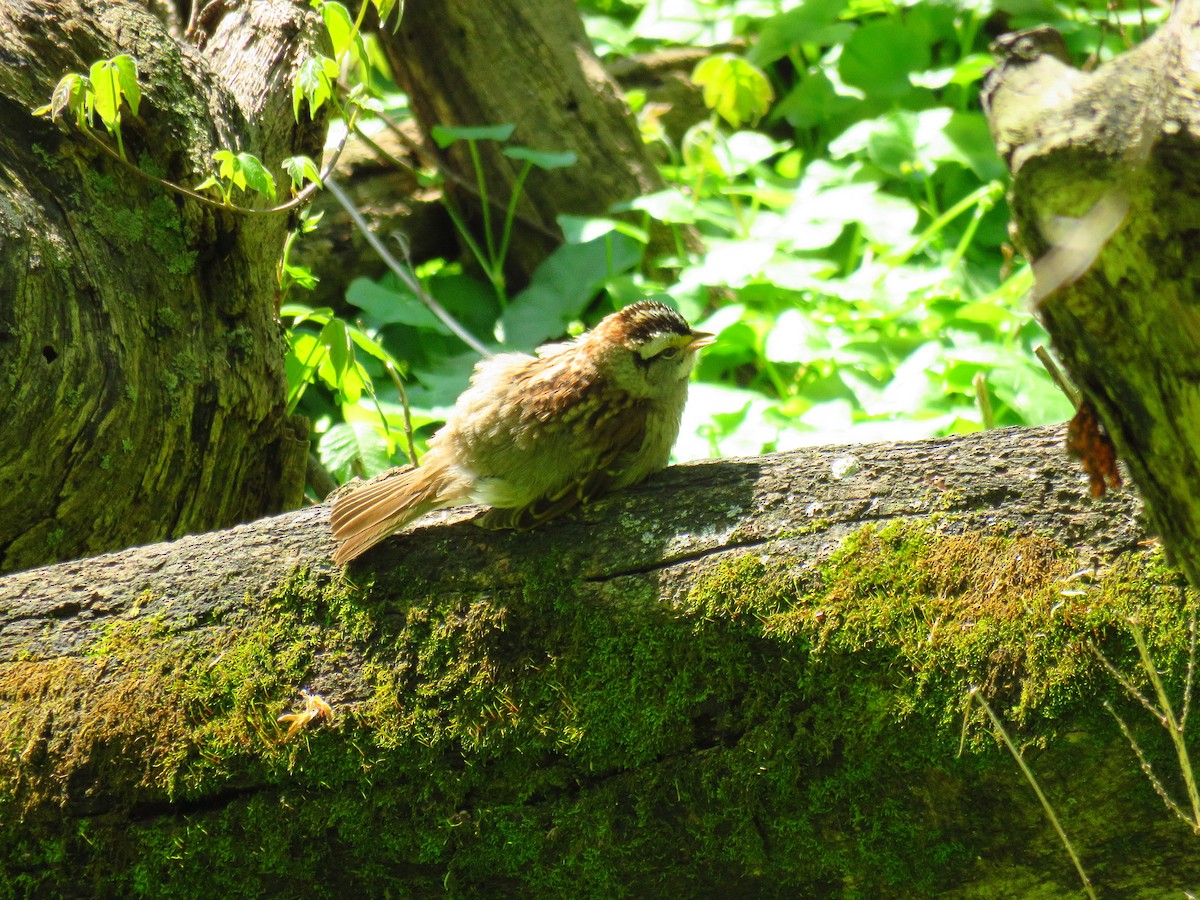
(649, 317)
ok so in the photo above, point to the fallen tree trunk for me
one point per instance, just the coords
(746, 676)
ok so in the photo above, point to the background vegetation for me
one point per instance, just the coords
(854, 259)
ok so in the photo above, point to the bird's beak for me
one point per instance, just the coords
(701, 339)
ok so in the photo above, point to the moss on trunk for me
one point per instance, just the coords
(784, 728)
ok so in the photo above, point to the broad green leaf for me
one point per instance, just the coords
(391, 307)
(730, 262)
(107, 86)
(810, 22)
(340, 25)
(815, 101)
(670, 205)
(543, 159)
(795, 338)
(879, 57)
(127, 77)
(563, 286)
(738, 91)
(581, 229)
(446, 135)
(349, 442)
(255, 175)
(228, 168)
(373, 348)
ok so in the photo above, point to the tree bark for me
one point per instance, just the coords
(742, 676)
(529, 64)
(144, 390)
(1106, 196)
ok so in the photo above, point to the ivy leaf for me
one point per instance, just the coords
(73, 92)
(301, 169)
(255, 175)
(127, 78)
(107, 87)
(313, 83)
(347, 442)
(738, 91)
(339, 24)
(228, 169)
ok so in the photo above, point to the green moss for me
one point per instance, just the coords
(780, 729)
(239, 340)
(168, 319)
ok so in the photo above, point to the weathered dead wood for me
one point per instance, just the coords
(1106, 197)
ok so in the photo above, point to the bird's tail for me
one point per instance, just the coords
(364, 517)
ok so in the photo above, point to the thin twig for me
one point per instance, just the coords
(1128, 685)
(1173, 728)
(299, 200)
(1191, 667)
(405, 275)
(1057, 376)
(984, 399)
(429, 159)
(411, 449)
(975, 694)
(1148, 770)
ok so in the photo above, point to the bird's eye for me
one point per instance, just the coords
(669, 353)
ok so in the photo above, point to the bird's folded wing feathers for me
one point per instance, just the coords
(626, 439)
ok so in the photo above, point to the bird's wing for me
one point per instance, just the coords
(621, 441)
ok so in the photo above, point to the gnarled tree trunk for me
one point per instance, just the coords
(141, 359)
(1106, 198)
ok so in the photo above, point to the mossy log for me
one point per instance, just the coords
(743, 678)
(1106, 200)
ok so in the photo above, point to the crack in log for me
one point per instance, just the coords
(683, 559)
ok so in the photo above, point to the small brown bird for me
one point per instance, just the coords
(534, 436)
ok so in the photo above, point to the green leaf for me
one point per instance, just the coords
(543, 159)
(670, 205)
(795, 338)
(563, 286)
(301, 276)
(107, 86)
(127, 77)
(346, 443)
(581, 229)
(312, 83)
(446, 135)
(73, 92)
(738, 91)
(812, 22)
(255, 175)
(384, 9)
(340, 25)
(879, 57)
(814, 102)
(301, 169)
(228, 168)
(391, 307)
(209, 182)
